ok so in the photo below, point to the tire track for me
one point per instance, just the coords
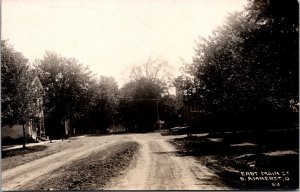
(159, 167)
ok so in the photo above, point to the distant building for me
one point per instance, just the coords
(38, 124)
(183, 105)
(179, 98)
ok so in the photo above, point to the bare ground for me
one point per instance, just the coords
(35, 165)
(158, 167)
(89, 173)
(117, 162)
(11, 158)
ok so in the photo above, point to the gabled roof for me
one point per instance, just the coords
(37, 81)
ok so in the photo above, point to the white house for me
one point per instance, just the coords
(35, 127)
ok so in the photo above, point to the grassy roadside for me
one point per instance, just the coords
(258, 160)
(15, 157)
(89, 173)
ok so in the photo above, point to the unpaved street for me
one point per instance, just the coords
(15, 178)
(159, 167)
(156, 165)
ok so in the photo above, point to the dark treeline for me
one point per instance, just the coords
(146, 99)
(243, 76)
(76, 98)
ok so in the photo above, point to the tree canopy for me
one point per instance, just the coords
(16, 90)
(248, 68)
(142, 98)
(245, 74)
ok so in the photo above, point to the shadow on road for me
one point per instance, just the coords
(23, 151)
(274, 154)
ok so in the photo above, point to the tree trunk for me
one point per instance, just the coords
(24, 136)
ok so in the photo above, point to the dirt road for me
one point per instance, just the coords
(159, 167)
(15, 178)
(156, 166)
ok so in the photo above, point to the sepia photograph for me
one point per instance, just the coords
(149, 95)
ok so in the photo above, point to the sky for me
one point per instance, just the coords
(111, 35)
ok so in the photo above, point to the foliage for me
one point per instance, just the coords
(138, 108)
(141, 98)
(67, 85)
(102, 113)
(168, 111)
(248, 69)
(155, 69)
(17, 93)
(20, 102)
(74, 94)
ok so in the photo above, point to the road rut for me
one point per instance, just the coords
(159, 167)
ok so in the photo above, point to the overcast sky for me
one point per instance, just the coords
(110, 35)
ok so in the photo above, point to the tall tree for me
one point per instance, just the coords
(102, 114)
(139, 108)
(68, 95)
(277, 38)
(248, 68)
(17, 94)
(13, 69)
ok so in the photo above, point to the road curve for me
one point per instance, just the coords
(158, 167)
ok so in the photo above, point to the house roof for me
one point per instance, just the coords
(37, 81)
